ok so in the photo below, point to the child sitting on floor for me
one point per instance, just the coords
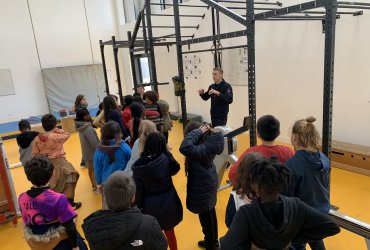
(24, 141)
(50, 144)
(49, 218)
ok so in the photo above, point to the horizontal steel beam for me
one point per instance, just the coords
(244, 8)
(202, 16)
(291, 19)
(354, 3)
(170, 36)
(355, 13)
(243, 2)
(183, 5)
(107, 43)
(291, 9)
(158, 83)
(295, 18)
(208, 50)
(142, 44)
(233, 15)
(168, 27)
(215, 37)
(354, 7)
(299, 17)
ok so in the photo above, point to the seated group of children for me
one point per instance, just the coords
(261, 178)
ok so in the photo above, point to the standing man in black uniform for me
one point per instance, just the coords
(221, 95)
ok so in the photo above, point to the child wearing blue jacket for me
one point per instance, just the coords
(111, 154)
(310, 179)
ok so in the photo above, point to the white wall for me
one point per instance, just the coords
(66, 32)
(18, 53)
(289, 73)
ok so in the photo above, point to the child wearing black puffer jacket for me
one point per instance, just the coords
(200, 147)
(155, 193)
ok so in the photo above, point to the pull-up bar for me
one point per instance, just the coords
(202, 16)
(142, 45)
(354, 3)
(215, 37)
(365, 7)
(214, 49)
(290, 9)
(244, 8)
(355, 13)
(187, 5)
(171, 36)
(293, 19)
(264, 3)
(235, 16)
(184, 27)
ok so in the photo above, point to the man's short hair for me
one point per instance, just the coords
(23, 125)
(268, 127)
(49, 122)
(39, 170)
(119, 190)
(139, 86)
(219, 70)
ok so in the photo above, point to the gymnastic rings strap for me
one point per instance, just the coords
(216, 49)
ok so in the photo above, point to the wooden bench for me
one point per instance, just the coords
(68, 124)
(352, 157)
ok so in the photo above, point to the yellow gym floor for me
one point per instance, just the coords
(349, 191)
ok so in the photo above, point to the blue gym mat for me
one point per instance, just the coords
(9, 127)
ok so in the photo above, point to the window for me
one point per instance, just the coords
(145, 71)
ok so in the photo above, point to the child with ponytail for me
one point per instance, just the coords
(310, 169)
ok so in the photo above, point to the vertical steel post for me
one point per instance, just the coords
(116, 63)
(330, 23)
(251, 71)
(179, 59)
(104, 66)
(215, 57)
(131, 53)
(152, 66)
(144, 32)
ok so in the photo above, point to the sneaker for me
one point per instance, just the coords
(202, 243)
(83, 164)
(76, 205)
(95, 190)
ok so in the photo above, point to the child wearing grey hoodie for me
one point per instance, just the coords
(89, 140)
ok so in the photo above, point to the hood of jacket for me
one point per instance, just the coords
(316, 160)
(282, 230)
(106, 229)
(43, 137)
(149, 168)
(215, 146)
(25, 139)
(81, 126)
(110, 147)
